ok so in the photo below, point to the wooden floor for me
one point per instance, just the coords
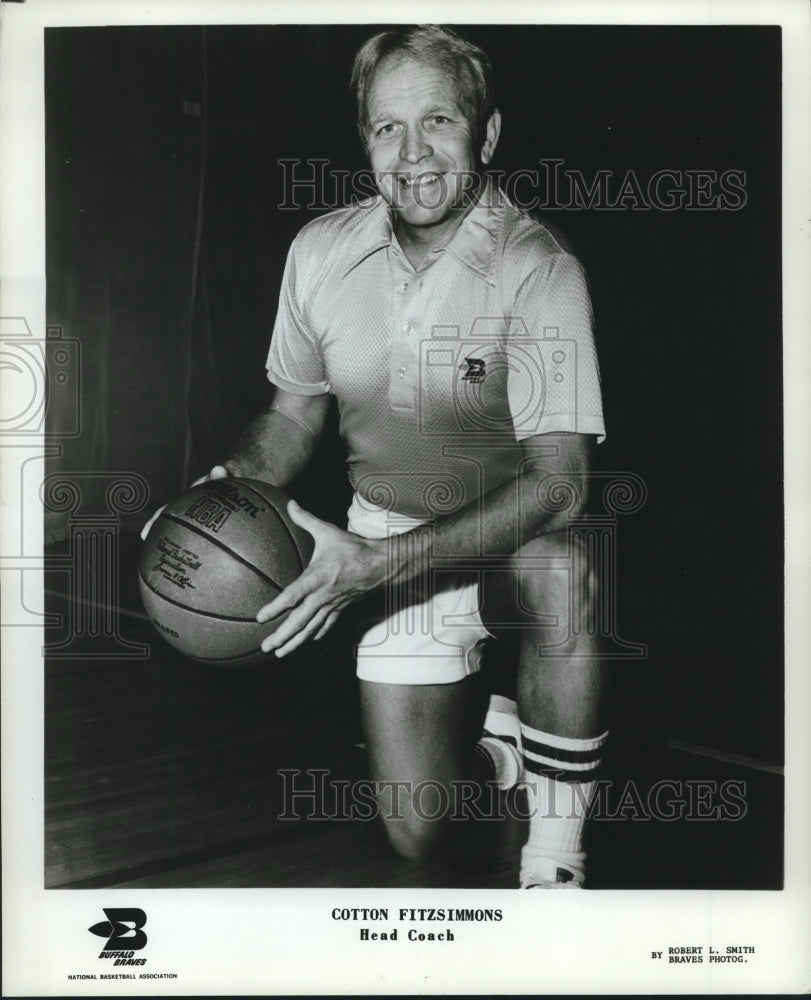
(164, 773)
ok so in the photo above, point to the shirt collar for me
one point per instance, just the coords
(473, 244)
(372, 234)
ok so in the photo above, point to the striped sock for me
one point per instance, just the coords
(500, 742)
(560, 775)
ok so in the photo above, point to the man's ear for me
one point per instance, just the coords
(492, 132)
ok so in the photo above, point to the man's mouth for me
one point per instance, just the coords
(422, 183)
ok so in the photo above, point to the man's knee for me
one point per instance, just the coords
(553, 577)
(413, 838)
(416, 817)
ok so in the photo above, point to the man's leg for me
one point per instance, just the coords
(553, 593)
(421, 735)
(559, 691)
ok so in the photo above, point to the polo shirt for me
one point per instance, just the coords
(440, 371)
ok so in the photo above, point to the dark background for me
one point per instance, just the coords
(165, 251)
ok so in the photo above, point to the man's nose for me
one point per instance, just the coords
(415, 147)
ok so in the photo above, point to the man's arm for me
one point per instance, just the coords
(279, 442)
(276, 445)
(550, 485)
(346, 566)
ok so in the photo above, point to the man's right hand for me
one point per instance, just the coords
(218, 472)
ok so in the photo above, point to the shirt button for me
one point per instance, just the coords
(406, 328)
(402, 370)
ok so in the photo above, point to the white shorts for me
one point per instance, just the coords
(435, 641)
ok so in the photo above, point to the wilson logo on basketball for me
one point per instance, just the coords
(228, 491)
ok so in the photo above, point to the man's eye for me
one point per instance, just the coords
(440, 119)
(385, 129)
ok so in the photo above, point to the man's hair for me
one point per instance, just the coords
(444, 49)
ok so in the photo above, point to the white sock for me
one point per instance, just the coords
(559, 772)
(500, 742)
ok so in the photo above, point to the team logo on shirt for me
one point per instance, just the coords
(475, 370)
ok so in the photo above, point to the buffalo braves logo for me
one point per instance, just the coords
(475, 370)
(122, 928)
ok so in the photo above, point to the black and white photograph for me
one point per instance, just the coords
(396, 500)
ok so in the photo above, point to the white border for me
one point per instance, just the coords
(283, 941)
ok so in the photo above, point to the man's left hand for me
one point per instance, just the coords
(343, 568)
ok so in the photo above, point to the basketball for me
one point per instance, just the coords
(213, 558)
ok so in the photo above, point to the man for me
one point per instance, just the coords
(456, 335)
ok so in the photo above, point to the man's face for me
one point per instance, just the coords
(420, 143)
